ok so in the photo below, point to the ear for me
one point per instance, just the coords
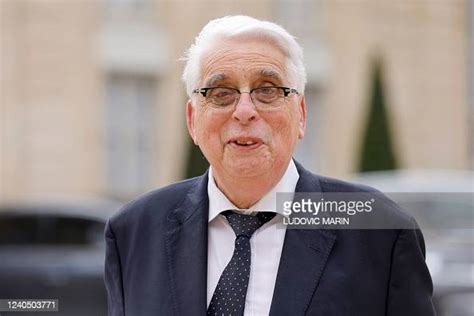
(302, 117)
(190, 112)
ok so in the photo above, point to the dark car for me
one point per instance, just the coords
(55, 251)
(442, 202)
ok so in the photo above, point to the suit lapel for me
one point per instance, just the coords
(304, 255)
(186, 247)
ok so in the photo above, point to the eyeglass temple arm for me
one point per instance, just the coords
(202, 91)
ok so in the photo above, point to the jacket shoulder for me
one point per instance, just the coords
(156, 204)
(335, 185)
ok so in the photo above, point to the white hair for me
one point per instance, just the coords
(243, 27)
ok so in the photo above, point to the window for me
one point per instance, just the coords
(129, 133)
(127, 4)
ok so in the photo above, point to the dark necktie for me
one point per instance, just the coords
(229, 296)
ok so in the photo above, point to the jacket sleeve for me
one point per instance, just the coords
(411, 287)
(113, 274)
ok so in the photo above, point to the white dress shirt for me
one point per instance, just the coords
(266, 243)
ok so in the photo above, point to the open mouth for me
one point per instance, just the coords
(245, 143)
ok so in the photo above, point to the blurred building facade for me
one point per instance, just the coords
(92, 102)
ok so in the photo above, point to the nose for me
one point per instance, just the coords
(245, 110)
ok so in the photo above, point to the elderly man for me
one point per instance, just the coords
(211, 244)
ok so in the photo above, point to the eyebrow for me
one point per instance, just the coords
(270, 73)
(216, 78)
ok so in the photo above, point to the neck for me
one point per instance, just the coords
(246, 191)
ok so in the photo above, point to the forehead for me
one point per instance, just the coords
(263, 73)
(243, 60)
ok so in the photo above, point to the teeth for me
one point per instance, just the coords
(249, 142)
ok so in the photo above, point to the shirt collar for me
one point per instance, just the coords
(218, 202)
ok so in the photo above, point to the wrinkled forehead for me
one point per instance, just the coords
(233, 59)
(225, 76)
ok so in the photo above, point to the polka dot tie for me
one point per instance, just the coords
(229, 296)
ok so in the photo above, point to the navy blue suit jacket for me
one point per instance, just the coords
(156, 260)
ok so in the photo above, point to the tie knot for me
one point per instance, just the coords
(246, 225)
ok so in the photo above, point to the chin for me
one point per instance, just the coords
(246, 167)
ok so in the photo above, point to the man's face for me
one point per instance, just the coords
(245, 142)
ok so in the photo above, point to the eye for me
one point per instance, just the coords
(221, 96)
(267, 90)
(220, 92)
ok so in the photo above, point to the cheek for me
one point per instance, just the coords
(284, 129)
(209, 127)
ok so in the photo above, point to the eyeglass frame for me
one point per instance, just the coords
(286, 92)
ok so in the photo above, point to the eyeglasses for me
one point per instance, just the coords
(263, 98)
